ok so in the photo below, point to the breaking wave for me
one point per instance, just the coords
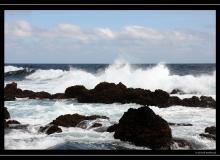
(155, 77)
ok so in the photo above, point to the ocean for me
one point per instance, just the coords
(193, 79)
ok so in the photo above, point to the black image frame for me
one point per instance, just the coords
(105, 7)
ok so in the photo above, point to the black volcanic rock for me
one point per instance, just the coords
(108, 93)
(43, 95)
(6, 113)
(207, 102)
(210, 133)
(112, 128)
(58, 96)
(69, 120)
(144, 128)
(75, 91)
(210, 130)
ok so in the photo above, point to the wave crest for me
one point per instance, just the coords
(155, 77)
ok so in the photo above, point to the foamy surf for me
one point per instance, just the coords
(37, 113)
(156, 77)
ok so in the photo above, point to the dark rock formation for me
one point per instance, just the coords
(108, 93)
(112, 128)
(75, 91)
(69, 120)
(42, 95)
(210, 133)
(50, 129)
(144, 128)
(6, 113)
(58, 96)
(210, 130)
(180, 124)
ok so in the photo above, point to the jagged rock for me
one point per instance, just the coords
(69, 120)
(144, 128)
(108, 93)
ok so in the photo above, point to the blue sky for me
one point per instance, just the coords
(103, 36)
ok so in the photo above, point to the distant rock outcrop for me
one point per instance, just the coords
(105, 92)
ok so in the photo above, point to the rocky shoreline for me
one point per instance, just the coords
(141, 127)
(111, 93)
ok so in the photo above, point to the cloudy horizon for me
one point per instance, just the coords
(103, 36)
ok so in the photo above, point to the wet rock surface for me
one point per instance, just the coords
(109, 93)
(143, 127)
(73, 120)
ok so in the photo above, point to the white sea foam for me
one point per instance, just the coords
(41, 112)
(12, 68)
(157, 77)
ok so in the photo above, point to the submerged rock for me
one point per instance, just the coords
(95, 125)
(144, 128)
(69, 120)
(50, 129)
(179, 124)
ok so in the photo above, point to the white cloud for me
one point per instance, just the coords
(18, 29)
(143, 32)
(106, 33)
